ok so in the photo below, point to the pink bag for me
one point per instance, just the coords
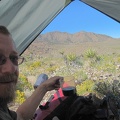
(48, 107)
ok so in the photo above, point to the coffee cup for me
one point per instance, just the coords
(69, 86)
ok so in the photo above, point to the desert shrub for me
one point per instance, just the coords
(72, 63)
(81, 75)
(85, 87)
(107, 66)
(63, 71)
(23, 83)
(51, 68)
(36, 64)
(92, 57)
(79, 61)
(118, 59)
(105, 87)
(31, 65)
(71, 57)
(90, 53)
(20, 97)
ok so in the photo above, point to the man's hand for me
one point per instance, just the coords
(53, 83)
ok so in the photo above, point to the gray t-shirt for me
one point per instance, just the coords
(6, 114)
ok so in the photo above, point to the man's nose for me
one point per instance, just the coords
(8, 67)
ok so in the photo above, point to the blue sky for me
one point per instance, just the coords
(77, 17)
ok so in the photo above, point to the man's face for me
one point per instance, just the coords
(8, 69)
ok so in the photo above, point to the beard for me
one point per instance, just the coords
(9, 81)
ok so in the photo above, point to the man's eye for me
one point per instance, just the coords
(14, 59)
(1, 56)
(2, 59)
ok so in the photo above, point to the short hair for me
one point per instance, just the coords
(4, 30)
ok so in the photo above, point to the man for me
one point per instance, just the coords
(9, 72)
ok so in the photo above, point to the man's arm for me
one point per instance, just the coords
(27, 109)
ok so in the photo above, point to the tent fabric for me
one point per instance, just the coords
(26, 19)
(109, 7)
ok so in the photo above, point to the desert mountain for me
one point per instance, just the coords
(79, 42)
(80, 37)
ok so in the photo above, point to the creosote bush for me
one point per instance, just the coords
(20, 97)
(85, 87)
(103, 88)
(22, 85)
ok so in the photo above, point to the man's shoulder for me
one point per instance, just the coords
(13, 114)
(8, 116)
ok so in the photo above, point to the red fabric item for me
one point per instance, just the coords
(41, 114)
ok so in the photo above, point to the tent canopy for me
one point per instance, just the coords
(26, 19)
(109, 7)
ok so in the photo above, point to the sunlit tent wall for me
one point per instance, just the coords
(26, 19)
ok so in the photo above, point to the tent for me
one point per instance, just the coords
(26, 19)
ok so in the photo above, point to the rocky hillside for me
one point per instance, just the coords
(80, 37)
(78, 43)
